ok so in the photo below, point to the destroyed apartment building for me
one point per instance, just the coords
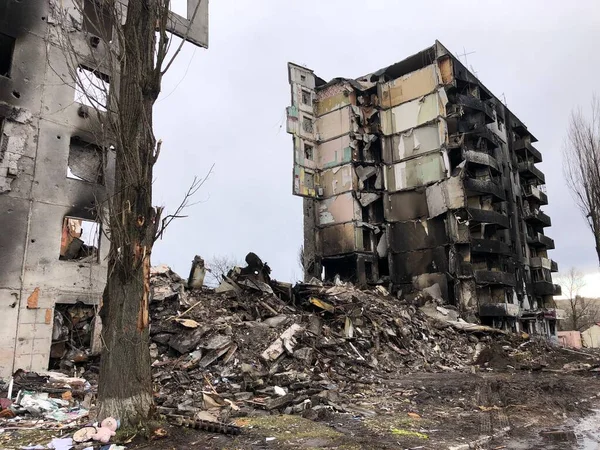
(54, 174)
(418, 176)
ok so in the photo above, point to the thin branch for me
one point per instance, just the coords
(192, 190)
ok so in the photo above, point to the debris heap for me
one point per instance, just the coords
(256, 343)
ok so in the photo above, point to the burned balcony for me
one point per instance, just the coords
(478, 187)
(494, 277)
(498, 310)
(489, 246)
(540, 240)
(481, 159)
(528, 170)
(537, 217)
(523, 147)
(486, 216)
(539, 262)
(543, 288)
(473, 103)
(536, 193)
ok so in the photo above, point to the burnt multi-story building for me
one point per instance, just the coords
(417, 175)
(54, 174)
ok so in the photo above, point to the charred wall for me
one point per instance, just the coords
(39, 119)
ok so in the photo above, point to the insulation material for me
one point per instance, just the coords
(414, 113)
(414, 85)
(416, 141)
(335, 124)
(339, 209)
(415, 172)
(335, 152)
(338, 180)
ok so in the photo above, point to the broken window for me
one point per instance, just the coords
(97, 19)
(307, 124)
(85, 161)
(80, 239)
(306, 98)
(309, 152)
(7, 46)
(91, 88)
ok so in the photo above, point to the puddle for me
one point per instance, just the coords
(583, 435)
(588, 432)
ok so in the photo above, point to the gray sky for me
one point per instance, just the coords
(226, 106)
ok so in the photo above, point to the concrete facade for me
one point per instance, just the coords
(417, 175)
(54, 174)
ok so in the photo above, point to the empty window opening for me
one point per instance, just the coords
(302, 77)
(306, 98)
(179, 7)
(91, 88)
(72, 335)
(307, 124)
(309, 152)
(85, 161)
(80, 239)
(344, 266)
(369, 271)
(98, 19)
(367, 240)
(7, 46)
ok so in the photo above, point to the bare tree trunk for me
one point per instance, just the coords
(125, 385)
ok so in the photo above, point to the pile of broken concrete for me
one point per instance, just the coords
(254, 343)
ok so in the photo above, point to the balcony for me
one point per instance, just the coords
(485, 216)
(524, 147)
(489, 246)
(479, 187)
(474, 103)
(546, 288)
(493, 277)
(528, 170)
(537, 217)
(482, 159)
(540, 240)
(534, 192)
(499, 310)
(539, 262)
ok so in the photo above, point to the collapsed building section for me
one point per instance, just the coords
(417, 175)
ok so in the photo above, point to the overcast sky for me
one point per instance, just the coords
(226, 106)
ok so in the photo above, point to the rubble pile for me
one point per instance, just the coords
(256, 343)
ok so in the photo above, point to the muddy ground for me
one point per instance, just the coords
(427, 411)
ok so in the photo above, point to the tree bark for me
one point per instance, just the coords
(125, 383)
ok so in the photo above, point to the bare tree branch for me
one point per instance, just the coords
(581, 155)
